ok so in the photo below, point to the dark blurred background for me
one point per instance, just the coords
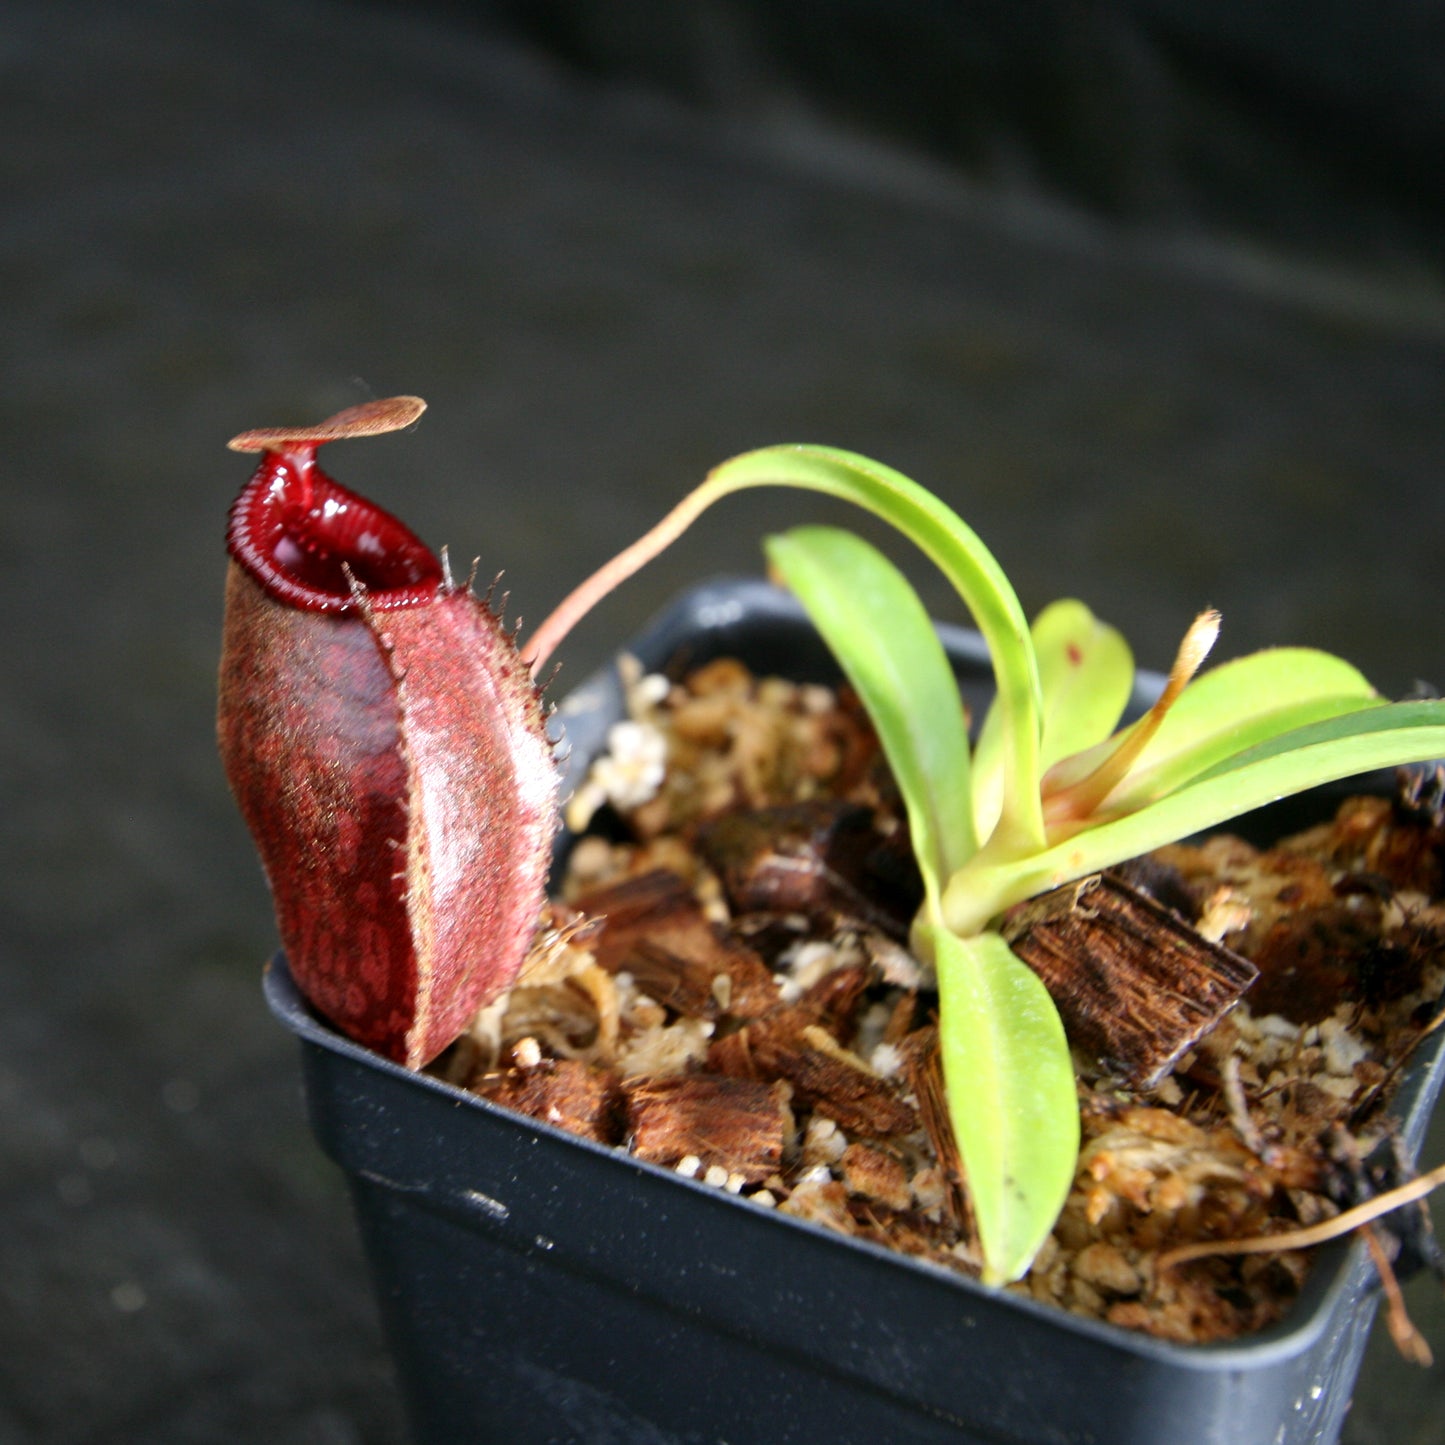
(1152, 291)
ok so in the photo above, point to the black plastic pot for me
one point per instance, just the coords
(540, 1288)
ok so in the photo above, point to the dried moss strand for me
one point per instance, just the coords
(1403, 1331)
(1316, 1234)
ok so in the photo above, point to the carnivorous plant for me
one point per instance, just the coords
(385, 743)
(1052, 791)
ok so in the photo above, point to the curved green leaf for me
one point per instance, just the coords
(1168, 775)
(1378, 735)
(1321, 752)
(1012, 1101)
(1008, 1075)
(943, 536)
(1224, 711)
(1086, 672)
(930, 524)
(882, 638)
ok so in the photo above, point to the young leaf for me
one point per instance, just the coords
(1077, 805)
(1377, 735)
(882, 638)
(1086, 674)
(1012, 1100)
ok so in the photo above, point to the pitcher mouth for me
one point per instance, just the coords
(315, 545)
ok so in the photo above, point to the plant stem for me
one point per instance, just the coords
(587, 594)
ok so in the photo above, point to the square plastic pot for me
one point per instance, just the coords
(537, 1287)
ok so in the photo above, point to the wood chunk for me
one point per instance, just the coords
(564, 1092)
(1136, 985)
(654, 928)
(857, 1101)
(657, 905)
(1310, 961)
(730, 981)
(876, 1176)
(923, 1066)
(823, 1202)
(676, 983)
(834, 999)
(738, 1125)
(824, 859)
(901, 1019)
(831, 1003)
(791, 1045)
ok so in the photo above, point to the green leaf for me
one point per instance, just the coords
(931, 525)
(882, 638)
(1008, 1074)
(943, 536)
(1223, 712)
(1377, 735)
(1086, 672)
(1320, 752)
(1009, 1081)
